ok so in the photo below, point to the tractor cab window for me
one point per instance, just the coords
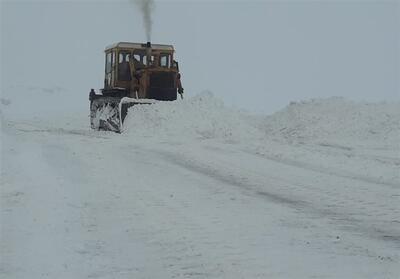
(165, 60)
(139, 59)
(113, 58)
(124, 70)
(124, 57)
(153, 61)
(108, 62)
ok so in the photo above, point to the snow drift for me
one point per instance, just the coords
(203, 116)
(336, 119)
(321, 120)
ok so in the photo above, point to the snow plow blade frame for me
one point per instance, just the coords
(109, 113)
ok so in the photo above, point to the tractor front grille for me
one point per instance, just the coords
(162, 80)
(162, 86)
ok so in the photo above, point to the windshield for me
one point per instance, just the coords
(139, 58)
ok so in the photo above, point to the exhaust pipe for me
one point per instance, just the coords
(148, 52)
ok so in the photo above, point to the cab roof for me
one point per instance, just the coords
(139, 46)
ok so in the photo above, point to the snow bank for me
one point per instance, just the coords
(335, 119)
(332, 120)
(202, 116)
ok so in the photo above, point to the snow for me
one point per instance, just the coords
(195, 189)
(337, 120)
(200, 117)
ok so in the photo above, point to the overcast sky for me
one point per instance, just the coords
(256, 55)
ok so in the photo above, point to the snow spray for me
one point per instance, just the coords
(146, 7)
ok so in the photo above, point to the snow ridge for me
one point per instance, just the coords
(203, 116)
(336, 119)
(319, 121)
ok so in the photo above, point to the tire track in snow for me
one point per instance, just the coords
(330, 171)
(342, 220)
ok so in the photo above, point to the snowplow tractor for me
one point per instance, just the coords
(135, 74)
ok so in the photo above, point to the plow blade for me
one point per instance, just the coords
(109, 113)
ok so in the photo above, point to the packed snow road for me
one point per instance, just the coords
(77, 203)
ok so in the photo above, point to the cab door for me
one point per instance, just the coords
(110, 70)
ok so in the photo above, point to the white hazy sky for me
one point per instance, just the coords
(256, 55)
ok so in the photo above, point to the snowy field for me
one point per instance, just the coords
(193, 189)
